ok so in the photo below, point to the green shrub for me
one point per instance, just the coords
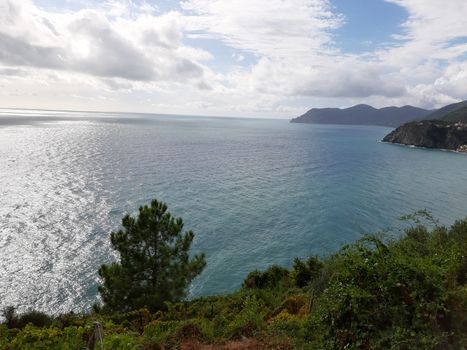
(34, 317)
(218, 326)
(249, 320)
(285, 324)
(295, 304)
(10, 316)
(396, 294)
(37, 318)
(48, 338)
(160, 331)
(126, 341)
(304, 272)
(270, 278)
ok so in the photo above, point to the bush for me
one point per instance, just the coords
(127, 341)
(37, 318)
(34, 317)
(270, 278)
(286, 324)
(398, 294)
(10, 316)
(305, 272)
(160, 331)
(294, 305)
(48, 338)
(249, 320)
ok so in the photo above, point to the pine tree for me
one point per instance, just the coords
(154, 266)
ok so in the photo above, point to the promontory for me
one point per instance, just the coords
(431, 134)
(445, 128)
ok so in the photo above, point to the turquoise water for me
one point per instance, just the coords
(255, 192)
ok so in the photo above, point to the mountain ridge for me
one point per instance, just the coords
(363, 114)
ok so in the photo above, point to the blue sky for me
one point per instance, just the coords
(368, 24)
(269, 58)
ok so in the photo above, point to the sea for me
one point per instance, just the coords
(255, 192)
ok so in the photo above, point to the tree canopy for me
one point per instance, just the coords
(155, 265)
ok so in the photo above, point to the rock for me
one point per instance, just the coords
(431, 134)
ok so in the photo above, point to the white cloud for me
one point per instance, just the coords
(273, 28)
(293, 43)
(427, 67)
(432, 56)
(88, 41)
(284, 52)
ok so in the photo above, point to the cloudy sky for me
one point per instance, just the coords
(274, 58)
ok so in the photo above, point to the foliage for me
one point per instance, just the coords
(248, 320)
(9, 314)
(32, 337)
(34, 317)
(154, 266)
(302, 273)
(305, 272)
(402, 294)
(270, 278)
(378, 293)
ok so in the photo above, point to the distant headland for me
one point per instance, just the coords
(363, 115)
(444, 128)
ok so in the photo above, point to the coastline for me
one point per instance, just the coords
(422, 147)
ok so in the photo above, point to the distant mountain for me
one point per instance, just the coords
(363, 115)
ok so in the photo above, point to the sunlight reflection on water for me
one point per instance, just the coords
(255, 192)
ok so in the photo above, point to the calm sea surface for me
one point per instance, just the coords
(255, 192)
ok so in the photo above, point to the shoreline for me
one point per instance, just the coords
(422, 147)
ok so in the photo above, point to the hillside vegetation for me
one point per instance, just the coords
(459, 115)
(443, 112)
(389, 291)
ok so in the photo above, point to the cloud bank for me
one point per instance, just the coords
(282, 57)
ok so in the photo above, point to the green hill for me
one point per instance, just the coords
(459, 115)
(446, 110)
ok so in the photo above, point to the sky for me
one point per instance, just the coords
(270, 58)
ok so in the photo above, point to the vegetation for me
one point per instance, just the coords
(443, 112)
(459, 115)
(400, 291)
(154, 267)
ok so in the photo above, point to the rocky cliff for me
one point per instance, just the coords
(431, 134)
